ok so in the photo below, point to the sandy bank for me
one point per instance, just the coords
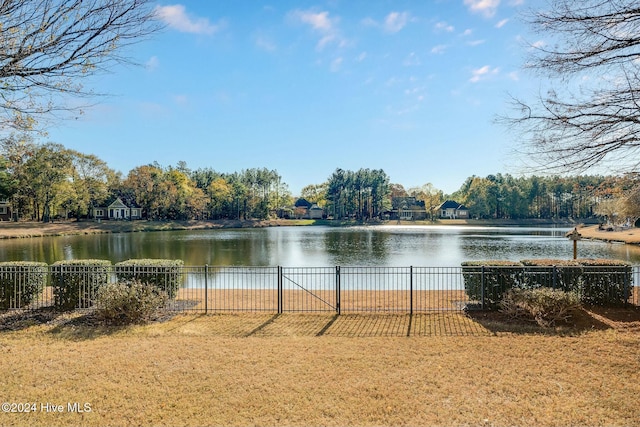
(630, 236)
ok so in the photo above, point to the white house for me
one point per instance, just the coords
(117, 209)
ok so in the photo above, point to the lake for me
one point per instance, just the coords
(386, 245)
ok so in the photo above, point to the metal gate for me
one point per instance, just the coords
(305, 289)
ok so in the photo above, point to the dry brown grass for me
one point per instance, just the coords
(317, 300)
(322, 369)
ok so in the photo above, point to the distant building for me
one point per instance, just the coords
(117, 209)
(407, 209)
(452, 210)
(304, 209)
(5, 210)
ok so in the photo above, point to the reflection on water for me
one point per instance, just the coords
(320, 246)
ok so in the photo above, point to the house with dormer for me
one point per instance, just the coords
(118, 210)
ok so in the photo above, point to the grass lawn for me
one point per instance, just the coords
(321, 369)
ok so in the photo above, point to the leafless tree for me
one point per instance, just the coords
(589, 114)
(48, 47)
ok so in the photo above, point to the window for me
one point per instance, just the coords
(99, 212)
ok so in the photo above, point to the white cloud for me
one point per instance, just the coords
(482, 72)
(476, 42)
(321, 23)
(485, 7)
(361, 57)
(438, 49)
(395, 21)
(539, 44)
(467, 32)
(502, 23)
(443, 26)
(152, 63)
(175, 16)
(514, 76)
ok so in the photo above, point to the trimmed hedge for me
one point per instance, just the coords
(596, 281)
(76, 282)
(559, 274)
(21, 283)
(498, 276)
(605, 282)
(164, 274)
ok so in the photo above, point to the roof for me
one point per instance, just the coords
(303, 203)
(113, 199)
(450, 204)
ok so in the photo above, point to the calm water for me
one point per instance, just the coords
(426, 246)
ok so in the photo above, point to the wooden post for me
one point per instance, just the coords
(574, 236)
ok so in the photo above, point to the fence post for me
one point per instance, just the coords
(411, 290)
(555, 278)
(482, 281)
(337, 289)
(279, 289)
(206, 288)
(627, 285)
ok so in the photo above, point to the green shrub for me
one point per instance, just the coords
(498, 277)
(76, 282)
(21, 283)
(552, 273)
(163, 274)
(129, 302)
(544, 305)
(605, 281)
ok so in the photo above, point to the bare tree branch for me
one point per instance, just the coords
(48, 47)
(592, 117)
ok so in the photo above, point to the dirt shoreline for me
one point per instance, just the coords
(16, 230)
(630, 236)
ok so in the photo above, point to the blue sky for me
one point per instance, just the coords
(305, 87)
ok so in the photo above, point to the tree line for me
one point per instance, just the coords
(47, 180)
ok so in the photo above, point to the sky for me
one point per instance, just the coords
(305, 87)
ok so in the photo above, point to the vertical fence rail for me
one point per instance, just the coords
(206, 288)
(482, 288)
(279, 290)
(338, 289)
(411, 290)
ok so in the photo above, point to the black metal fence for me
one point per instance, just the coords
(208, 289)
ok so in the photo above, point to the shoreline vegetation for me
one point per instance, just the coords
(27, 229)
